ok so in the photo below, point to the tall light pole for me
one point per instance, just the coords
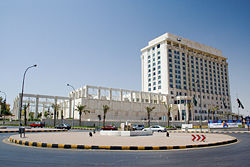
(198, 83)
(73, 103)
(21, 98)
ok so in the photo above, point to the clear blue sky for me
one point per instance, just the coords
(98, 42)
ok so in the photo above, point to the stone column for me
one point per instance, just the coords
(86, 91)
(121, 94)
(99, 93)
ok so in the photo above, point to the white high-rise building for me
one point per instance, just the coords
(185, 69)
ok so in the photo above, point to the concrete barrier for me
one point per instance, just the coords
(126, 133)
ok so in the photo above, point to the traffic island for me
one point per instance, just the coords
(158, 141)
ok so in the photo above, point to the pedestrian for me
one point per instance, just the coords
(167, 134)
(90, 134)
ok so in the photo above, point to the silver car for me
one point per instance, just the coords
(155, 128)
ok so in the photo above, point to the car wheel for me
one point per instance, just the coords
(159, 131)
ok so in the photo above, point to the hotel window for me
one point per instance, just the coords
(158, 52)
(159, 62)
(149, 66)
(159, 57)
(149, 89)
(159, 87)
(159, 72)
(158, 46)
(159, 77)
(154, 88)
(169, 50)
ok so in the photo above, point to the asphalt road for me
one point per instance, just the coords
(229, 156)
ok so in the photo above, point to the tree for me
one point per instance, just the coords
(105, 110)
(168, 108)
(46, 113)
(61, 114)
(25, 107)
(56, 107)
(213, 110)
(81, 109)
(149, 110)
(227, 115)
(189, 108)
(208, 112)
(31, 116)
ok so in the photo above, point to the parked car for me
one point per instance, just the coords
(37, 124)
(63, 126)
(155, 128)
(138, 127)
(109, 127)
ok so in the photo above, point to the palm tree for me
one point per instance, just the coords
(189, 108)
(149, 110)
(56, 107)
(31, 116)
(105, 110)
(208, 112)
(25, 107)
(81, 109)
(168, 108)
(214, 109)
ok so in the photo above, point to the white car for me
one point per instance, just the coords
(155, 128)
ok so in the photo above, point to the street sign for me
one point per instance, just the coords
(199, 138)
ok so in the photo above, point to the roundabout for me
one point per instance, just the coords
(82, 140)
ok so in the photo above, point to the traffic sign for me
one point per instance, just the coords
(199, 138)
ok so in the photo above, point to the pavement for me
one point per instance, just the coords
(81, 140)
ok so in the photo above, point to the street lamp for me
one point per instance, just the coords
(21, 100)
(73, 104)
(198, 83)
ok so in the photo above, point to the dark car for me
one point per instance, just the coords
(37, 124)
(63, 126)
(109, 127)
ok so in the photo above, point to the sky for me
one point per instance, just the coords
(98, 42)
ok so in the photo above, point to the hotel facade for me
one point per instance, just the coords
(185, 69)
(176, 72)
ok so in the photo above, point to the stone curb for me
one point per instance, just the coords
(30, 131)
(92, 147)
(209, 131)
(84, 128)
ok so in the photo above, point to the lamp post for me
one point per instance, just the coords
(21, 98)
(73, 104)
(198, 83)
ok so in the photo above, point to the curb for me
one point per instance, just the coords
(92, 147)
(84, 128)
(30, 131)
(209, 131)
